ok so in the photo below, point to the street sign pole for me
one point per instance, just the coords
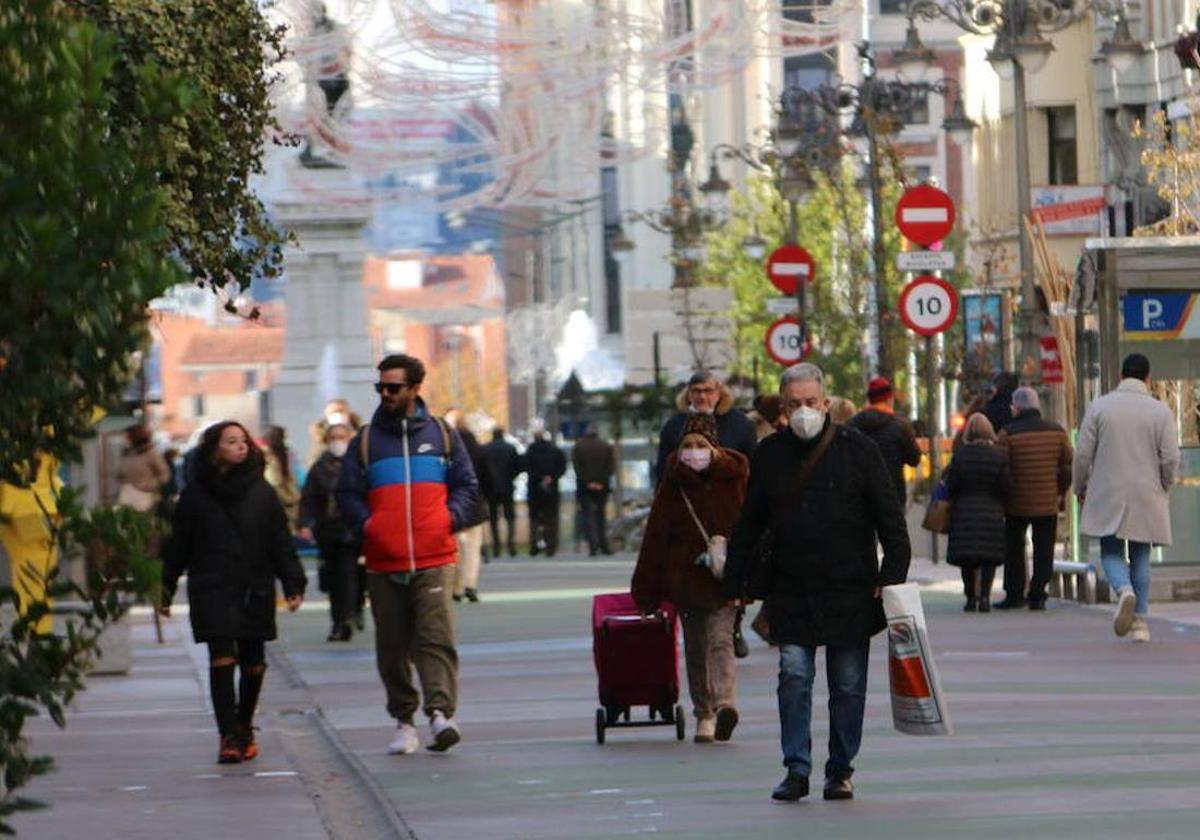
(930, 386)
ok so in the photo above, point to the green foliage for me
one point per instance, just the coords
(41, 674)
(217, 227)
(83, 248)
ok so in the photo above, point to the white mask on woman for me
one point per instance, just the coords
(807, 422)
(337, 448)
(697, 459)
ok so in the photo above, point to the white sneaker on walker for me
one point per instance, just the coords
(406, 741)
(445, 732)
(1140, 631)
(1123, 617)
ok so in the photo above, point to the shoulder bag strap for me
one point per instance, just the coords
(364, 443)
(695, 518)
(815, 456)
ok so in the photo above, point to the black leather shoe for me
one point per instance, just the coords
(971, 606)
(1037, 603)
(985, 605)
(839, 789)
(1011, 604)
(472, 595)
(793, 787)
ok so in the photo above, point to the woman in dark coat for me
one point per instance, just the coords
(230, 535)
(979, 482)
(713, 480)
(321, 520)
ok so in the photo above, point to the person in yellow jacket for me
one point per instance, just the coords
(27, 536)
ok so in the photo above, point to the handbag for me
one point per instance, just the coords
(715, 546)
(139, 500)
(937, 515)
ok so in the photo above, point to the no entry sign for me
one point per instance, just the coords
(925, 214)
(787, 265)
(928, 305)
(783, 342)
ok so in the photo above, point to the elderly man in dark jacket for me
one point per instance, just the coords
(893, 435)
(595, 464)
(506, 466)
(1039, 455)
(825, 579)
(545, 464)
(705, 395)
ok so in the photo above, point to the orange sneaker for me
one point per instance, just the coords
(231, 750)
(249, 745)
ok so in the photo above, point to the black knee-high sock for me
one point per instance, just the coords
(220, 684)
(249, 687)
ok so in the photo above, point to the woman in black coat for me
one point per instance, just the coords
(230, 535)
(979, 483)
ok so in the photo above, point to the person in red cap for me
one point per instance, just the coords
(893, 435)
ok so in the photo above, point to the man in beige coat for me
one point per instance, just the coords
(1125, 463)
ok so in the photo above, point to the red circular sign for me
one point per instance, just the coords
(928, 305)
(925, 214)
(787, 264)
(783, 342)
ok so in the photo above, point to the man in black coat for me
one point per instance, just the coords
(893, 435)
(545, 464)
(825, 578)
(705, 395)
(506, 466)
(999, 407)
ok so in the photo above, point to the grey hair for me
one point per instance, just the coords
(1025, 399)
(803, 372)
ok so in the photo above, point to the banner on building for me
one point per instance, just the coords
(1070, 209)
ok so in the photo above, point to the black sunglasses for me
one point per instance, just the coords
(392, 388)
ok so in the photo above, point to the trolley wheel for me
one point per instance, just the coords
(680, 724)
(601, 719)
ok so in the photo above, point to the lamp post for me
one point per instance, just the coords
(808, 139)
(1019, 49)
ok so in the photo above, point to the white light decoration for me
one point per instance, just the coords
(511, 97)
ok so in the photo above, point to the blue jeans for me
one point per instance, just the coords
(846, 671)
(1135, 573)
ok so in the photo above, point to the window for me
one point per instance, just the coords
(921, 173)
(892, 7)
(917, 112)
(251, 380)
(612, 269)
(198, 405)
(808, 72)
(1060, 124)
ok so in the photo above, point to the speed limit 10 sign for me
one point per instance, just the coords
(783, 342)
(928, 305)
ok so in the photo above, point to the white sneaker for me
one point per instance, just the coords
(406, 741)
(706, 730)
(445, 732)
(1123, 617)
(1141, 630)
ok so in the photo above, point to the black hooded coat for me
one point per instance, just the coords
(231, 537)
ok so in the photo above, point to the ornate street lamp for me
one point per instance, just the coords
(1020, 48)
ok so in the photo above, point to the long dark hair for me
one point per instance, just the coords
(275, 437)
(211, 439)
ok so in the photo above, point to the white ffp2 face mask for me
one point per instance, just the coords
(697, 459)
(807, 422)
(338, 448)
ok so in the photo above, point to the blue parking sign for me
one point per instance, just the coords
(1152, 316)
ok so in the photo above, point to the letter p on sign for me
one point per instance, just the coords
(1152, 310)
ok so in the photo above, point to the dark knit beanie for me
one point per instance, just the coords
(879, 389)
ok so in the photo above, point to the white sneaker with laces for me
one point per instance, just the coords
(445, 732)
(406, 741)
(1123, 617)
(1141, 630)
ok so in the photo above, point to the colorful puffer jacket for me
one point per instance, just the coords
(410, 498)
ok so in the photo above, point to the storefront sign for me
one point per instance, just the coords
(1070, 210)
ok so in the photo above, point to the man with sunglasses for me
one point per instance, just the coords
(408, 485)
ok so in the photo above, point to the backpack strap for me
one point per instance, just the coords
(447, 445)
(364, 443)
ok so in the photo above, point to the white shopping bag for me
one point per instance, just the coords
(918, 703)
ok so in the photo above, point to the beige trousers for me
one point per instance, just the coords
(708, 653)
(470, 555)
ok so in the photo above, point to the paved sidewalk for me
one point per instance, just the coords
(138, 758)
(1062, 731)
